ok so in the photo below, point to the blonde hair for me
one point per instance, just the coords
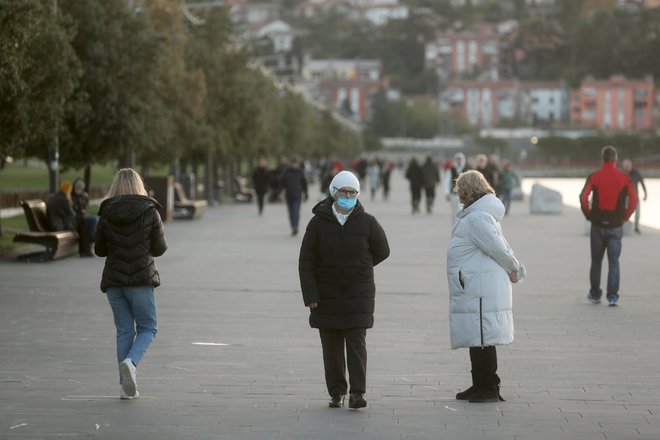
(472, 185)
(127, 181)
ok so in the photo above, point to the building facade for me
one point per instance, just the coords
(484, 103)
(544, 103)
(464, 54)
(347, 86)
(616, 104)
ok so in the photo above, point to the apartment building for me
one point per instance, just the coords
(616, 104)
(484, 103)
(344, 84)
(544, 103)
(466, 53)
(378, 12)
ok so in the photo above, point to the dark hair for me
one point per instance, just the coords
(609, 154)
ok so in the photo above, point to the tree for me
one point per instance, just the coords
(38, 73)
(125, 58)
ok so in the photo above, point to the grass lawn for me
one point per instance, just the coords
(34, 176)
(6, 240)
(16, 177)
(18, 222)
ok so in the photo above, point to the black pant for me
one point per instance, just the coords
(260, 201)
(416, 194)
(335, 363)
(84, 239)
(484, 367)
(429, 192)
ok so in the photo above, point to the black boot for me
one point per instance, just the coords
(465, 395)
(486, 394)
(489, 389)
(484, 363)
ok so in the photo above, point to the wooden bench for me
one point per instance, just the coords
(241, 191)
(58, 244)
(185, 207)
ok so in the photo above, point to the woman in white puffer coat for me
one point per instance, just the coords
(480, 269)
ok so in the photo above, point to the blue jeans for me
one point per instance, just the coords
(294, 211)
(605, 239)
(134, 310)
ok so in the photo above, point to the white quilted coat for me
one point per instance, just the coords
(479, 260)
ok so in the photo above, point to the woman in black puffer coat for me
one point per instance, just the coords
(341, 246)
(130, 234)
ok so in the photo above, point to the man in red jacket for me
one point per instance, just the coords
(613, 200)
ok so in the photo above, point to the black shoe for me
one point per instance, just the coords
(638, 231)
(356, 400)
(484, 395)
(336, 401)
(465, 395)
(294, 232)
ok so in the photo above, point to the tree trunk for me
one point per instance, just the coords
(87, 177)
(209, 189)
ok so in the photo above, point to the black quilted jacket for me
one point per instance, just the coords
(336, 267)
(130, 234)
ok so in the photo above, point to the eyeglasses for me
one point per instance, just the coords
(346, 192)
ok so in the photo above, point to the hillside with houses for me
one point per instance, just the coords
(416, 68)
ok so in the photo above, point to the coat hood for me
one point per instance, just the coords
(126, 209)
(489, 204)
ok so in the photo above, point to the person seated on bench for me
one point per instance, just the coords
(59, 209)
(86, 223)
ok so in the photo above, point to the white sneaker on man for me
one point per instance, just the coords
(128, 382)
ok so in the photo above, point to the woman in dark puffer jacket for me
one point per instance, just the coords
(341, 246)
(130, 234)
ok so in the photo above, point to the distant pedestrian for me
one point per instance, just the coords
(509, 180)
(294, 185)
(130, 234)
(260, 180)
(414, 176)
(488, 167)
(86, 223)
(325, 182)
(386, 176)
(430, 179)
(341, 246)
(457, 165)
(373, 177)
(636, 179)
(480, 269)
(613, 200)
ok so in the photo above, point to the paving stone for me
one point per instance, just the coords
(576, 371)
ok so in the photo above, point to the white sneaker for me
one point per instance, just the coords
(128, 382)
(124, 396)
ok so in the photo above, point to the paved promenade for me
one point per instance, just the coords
(235, 358)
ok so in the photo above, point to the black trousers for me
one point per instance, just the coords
(484, 367)
(84, 240)
(353, 343)
(260, 201)
(416, 195)
(429, 192)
